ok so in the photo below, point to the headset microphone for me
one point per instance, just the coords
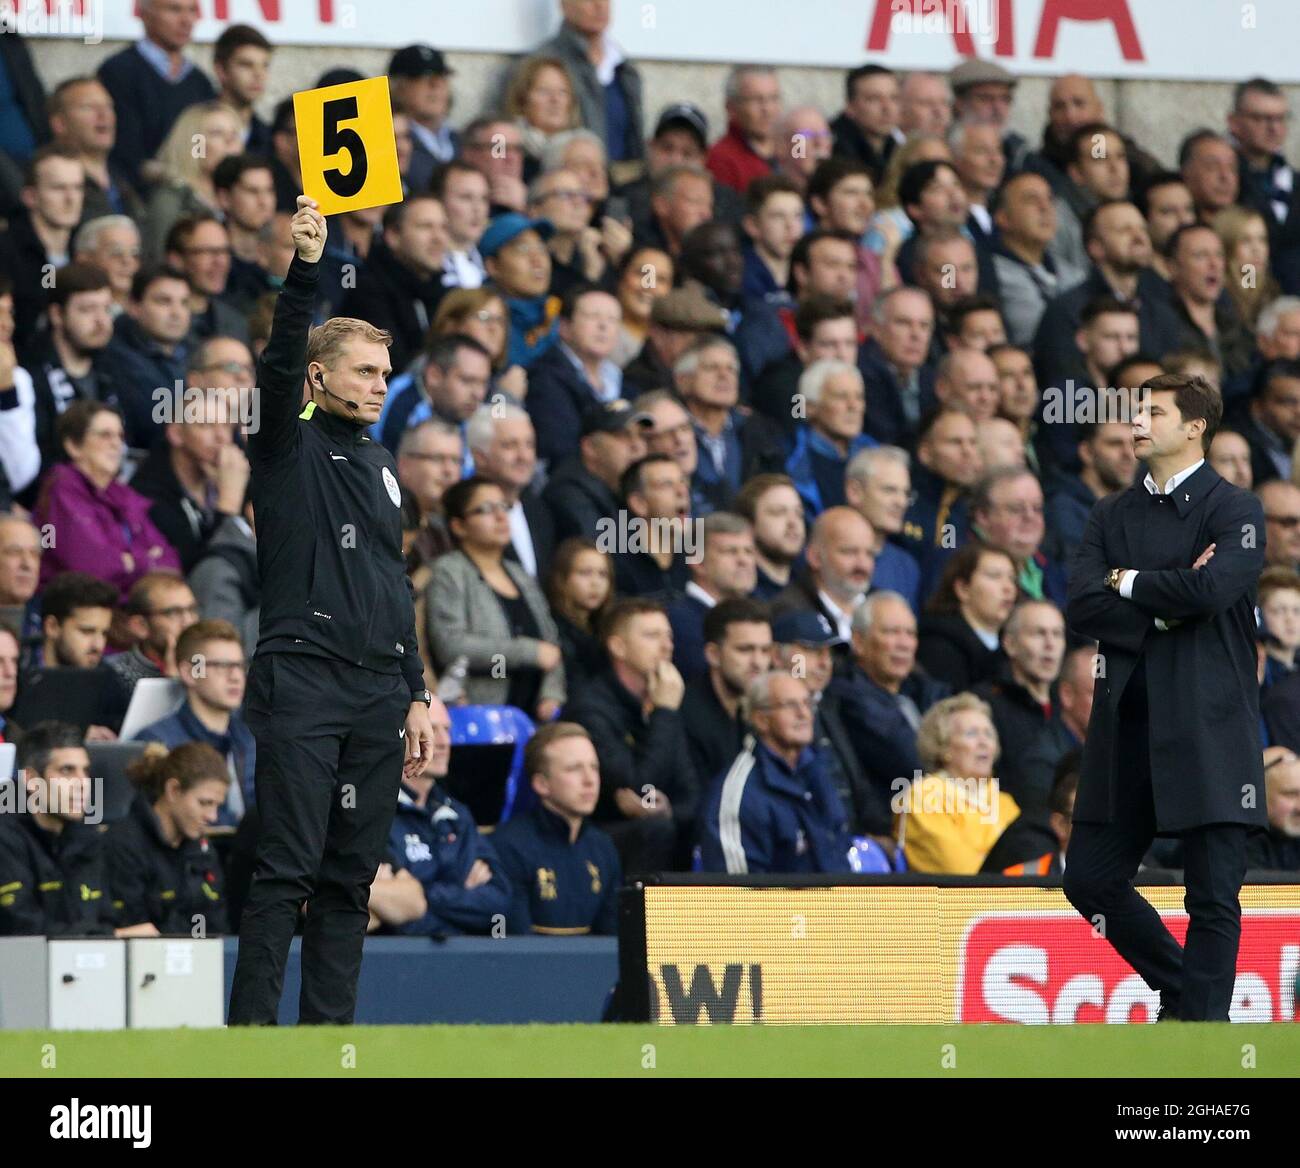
(350, 404)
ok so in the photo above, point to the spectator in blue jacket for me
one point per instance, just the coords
(435, 840)
(835, 400)
(563, 870)
(148, 350)
(726, 570)
(577, 374)
(776, 809)
(211, 666)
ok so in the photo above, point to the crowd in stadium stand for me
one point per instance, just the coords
(740, 465)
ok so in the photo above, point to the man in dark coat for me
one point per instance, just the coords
(1173, 744)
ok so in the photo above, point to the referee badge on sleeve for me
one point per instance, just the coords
(390, 485)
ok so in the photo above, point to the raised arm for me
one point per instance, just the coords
(282, 367)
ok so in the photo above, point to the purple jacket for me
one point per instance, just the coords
(95, 530)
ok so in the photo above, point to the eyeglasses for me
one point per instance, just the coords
(177, 611)
(225, 666)
(572, 196)
(1021, 510)
(791, 706)
(490, 509)
(483, 316)
(1285, 521)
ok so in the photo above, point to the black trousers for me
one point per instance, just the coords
(1104, 857)
(329, 762)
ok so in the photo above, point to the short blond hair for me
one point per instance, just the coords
(934, 735)
(326, 341)
(535, 757)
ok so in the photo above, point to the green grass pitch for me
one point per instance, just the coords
(1094, 1051)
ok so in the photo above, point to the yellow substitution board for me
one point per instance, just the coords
(346, 146)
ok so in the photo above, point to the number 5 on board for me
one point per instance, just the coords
(346, 146)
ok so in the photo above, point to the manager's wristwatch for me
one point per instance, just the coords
(1113, 578)
(422, 695)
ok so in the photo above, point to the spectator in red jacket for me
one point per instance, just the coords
(100, 525)
(748, 149)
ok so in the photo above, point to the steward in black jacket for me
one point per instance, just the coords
(167, 885)
(52, 883)
(336, 687)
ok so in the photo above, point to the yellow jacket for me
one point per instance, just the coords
(948, 825)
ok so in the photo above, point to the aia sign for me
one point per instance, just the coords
(953, 16)
(1040, 967)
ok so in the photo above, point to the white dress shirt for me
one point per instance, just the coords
(522, 538)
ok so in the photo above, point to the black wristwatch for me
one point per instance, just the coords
(422, 695)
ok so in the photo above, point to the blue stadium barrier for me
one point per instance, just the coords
(414, 980)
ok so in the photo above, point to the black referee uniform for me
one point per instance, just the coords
(331, 682)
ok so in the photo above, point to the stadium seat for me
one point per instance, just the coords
(487, 762)
(108, 763)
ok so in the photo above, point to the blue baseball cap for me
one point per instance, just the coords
(509, 226)
(802, 626)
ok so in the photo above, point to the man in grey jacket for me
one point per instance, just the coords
(607, 85)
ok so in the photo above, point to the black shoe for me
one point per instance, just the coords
(1168, 1011)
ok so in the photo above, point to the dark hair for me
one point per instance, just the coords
(443, 349)
(77, 418)
(569, 301)
(1086, 133)
(1179, 360)
(1194, 398)
(934, 415)
(1255, 85)
(42, 740)
(457, 499)
(737, 611)
(438, 182)
(1103, 305)
(236, 37)
(393, 216)
(831, 172)
(69, 591)
(1006, 347)
(282, 117)
(1179, 233)
(178, 238)
(190, 764)
(961, 566)
(801, 255)
(230, 170)
(562, 562)
(1129, 362)
(1189, 144)
(631, 481)
(968, 306)
(764, 187)
(1090, 217)
(918, 176)
(815, 309)
(147, 277)
(622, 611)
(1276, 370)
(74, 278)
(861, 73)
(1162, 178)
